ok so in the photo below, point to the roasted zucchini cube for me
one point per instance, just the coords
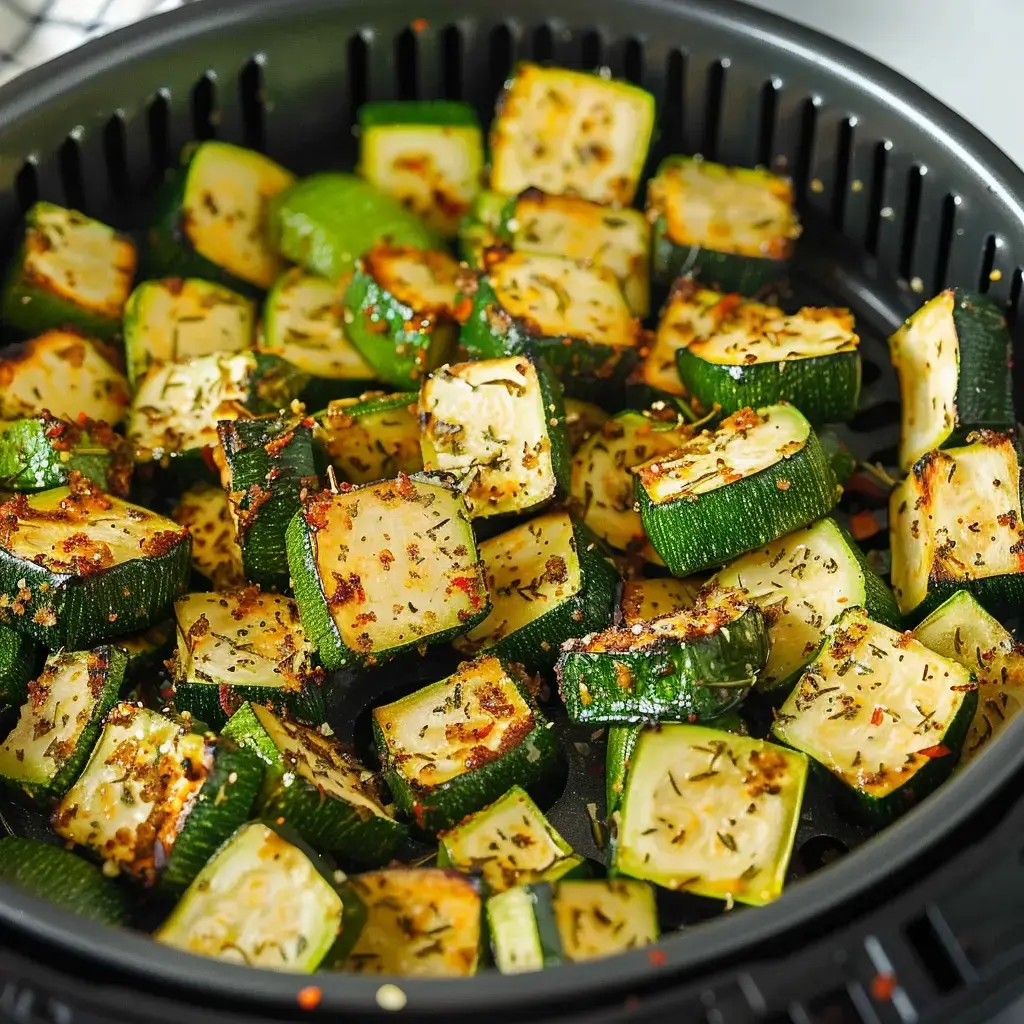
(78, 566)
(261, 901)
(61, 720)
(955, 523)
(427, 154)
(386, 567)
(710, 812)
(881, 712)
(568, 132)
(148, 652)
(497, 425)
(155, 801)
(953, 359)
(548, 582)
(457, 745)
(71, 271)
(241, 645)
(317, 787)
(734, 227)
(216, 554)
(174, 320)
(581, 420)
(63, 374)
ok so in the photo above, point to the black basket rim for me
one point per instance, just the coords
(188, 977)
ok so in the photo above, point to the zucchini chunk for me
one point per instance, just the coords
(212, 221)
(572, 921)
(71, 271)
(385, 567)
(891, 729)
(78, 566)
(619, 749)
(602, 488)
(176, 407)
(325, 222)
(372, 437)
(302, 323)
(41, 452)
(317, 787)
(147, 653)
(801, 582)
(58, 725)
(269, 471)
(482, 228)
(571, 313)
(570, 132)
(497, 425)
(457, 745)
(953, 359)
(644, 599)
(755, 357)
(20, 656)
(259, 901)
(955, 523)
(733, 227)
(63, 374)
(581, 420)
(960, 629)
(63, 878)
(241, 645)
(508, 843)
(692, 665)
(400, 309)
(155, 801)
(548, 582)
(419, 923)
(710, 812)
(756, 477)
(216, 554)
(175, 319)
(428, 154)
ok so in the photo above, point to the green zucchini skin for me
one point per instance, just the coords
(984, 394)
(621, 744)
(63, 878)
(826, 389)
(20, 658)
(270, 467)
(215, 705)
(998, 595)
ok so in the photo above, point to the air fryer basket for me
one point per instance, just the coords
(899, 197)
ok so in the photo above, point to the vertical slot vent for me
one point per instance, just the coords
(874, 223)
(204, 107)
(501, 51)
(115, 154)
(407, 60)
(158, 131)
(841, 174)
(1013, 303)
(672, 107)
(451, 63)
(253, 100)
(805, 146)
(69, 160)
(933, 954)
(592, 51)
(947, 225)
(543, 44)
(633, 62)
(988, 262)
(911, 216)
(358, 72)
(766, 126)
(26, 185)
(713, 108)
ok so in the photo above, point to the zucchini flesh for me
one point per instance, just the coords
(420, 923)
(758, 476)
(881, 712)
(955, 522)
(686, 666)
(72, 271)
(570, 132)
(801, 582)
(373, 437)
(509, 843)
(61, 720)
(602, 485)
(547, 582)
(953, 359)
(241, 645)
(457, 745)
(710, 812)
(78, 566)
(63, 878)
(498, 425)
(216, 554)
(63, 374)
(259, 901)
(644, 599)
(385, 567)
(962, 630)
(428, 154)
(581, 420)
(317, 787)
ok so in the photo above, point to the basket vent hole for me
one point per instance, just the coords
(844, 149)
(805, 147)
(158, 130)
(879, 163)
(115, 152)
(988, 262)
(766, 129)
(911, 215)
(1013, 303)
(451, 63)
(358, 71)
(932, 954)
(947, 225)
(820, 851)
(834, 1007)
(501, 53)
(713, 109)
(871, 372)
(672, 110)
(205, 117)
(543, 44)
(633, 62)
(69, 159)
(251, 91)
(876, 417)
(26, 185)
(407, 58)
(592, 51)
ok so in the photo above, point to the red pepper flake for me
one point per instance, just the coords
(55, 430)
(876, 716)
(83, 419)
(309, 997)
(469, 586)
(657, 957)
(420, 25)
(462, 309)
(939, 750)
(864, 525)
(883, 986)
(207, 452)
